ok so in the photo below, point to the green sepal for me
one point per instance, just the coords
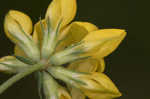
(49, 42)
(24, 60)
(68, 76)
(10, 64)
(50, 86)
(71, 53)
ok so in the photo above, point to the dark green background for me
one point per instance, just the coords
(127, 66)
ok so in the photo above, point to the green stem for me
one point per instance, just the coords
(19, 76)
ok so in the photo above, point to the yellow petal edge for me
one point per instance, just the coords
(64, 10)
(103, 42)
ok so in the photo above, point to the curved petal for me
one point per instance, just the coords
(26, 25)
(99, 85)
(18, 51)
(63, 94)
(23, 19)
(9, 64)
(101, 66)
(97, 95)
(87, 82)
(64, 10)
(77, 94)
(102, 42)
(17, 27)
(88, 65)
(38, 34)
(74, 33)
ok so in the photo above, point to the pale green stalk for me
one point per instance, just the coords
(19, 76)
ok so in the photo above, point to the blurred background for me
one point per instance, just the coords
(127, 66)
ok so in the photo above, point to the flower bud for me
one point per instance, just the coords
(16, 26)
(10, 64)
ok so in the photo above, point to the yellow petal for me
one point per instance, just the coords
(17, 27)
(64, 10)
(93, 82)
(9, 64)
(88, 65)
(38, 34)
(74, 33)
(77, 94)
(101, 66)
(4, 68)
(97, 95)
(63, 94)
(26, 25)
(19, 52)
(12, 20)
(23, 19)
(52, 90)
(99, 83)
(102, 42)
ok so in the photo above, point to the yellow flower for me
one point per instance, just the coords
(95, 85)
(57, 41)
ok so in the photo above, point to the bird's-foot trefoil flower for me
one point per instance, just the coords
(67, 58)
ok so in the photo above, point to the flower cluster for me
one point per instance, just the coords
(67, 58)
